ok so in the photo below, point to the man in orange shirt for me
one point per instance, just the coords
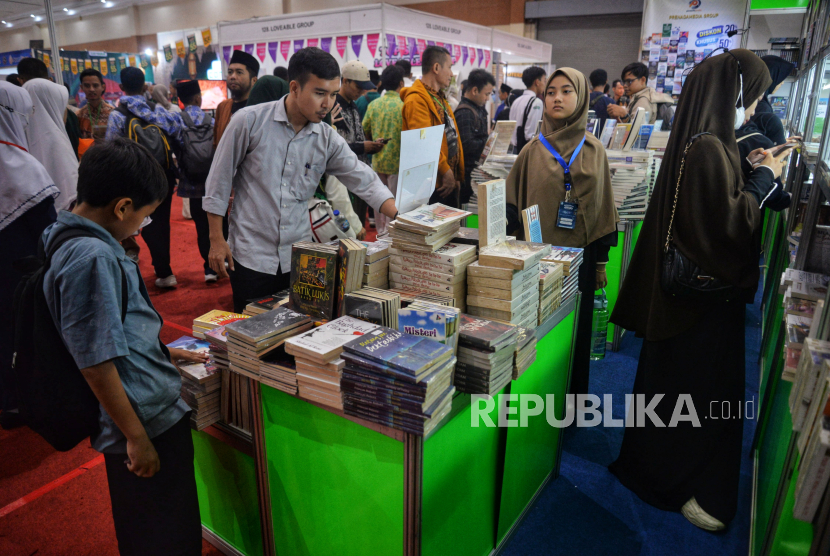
(242, 74)
(425, 105)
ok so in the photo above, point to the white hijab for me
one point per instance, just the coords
(48, 141)
(24, 182)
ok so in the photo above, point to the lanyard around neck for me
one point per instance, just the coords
(566, 166)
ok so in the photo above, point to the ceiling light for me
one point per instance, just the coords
(4, 22)
(38, 18)
(148, 52)
(65, 9)
(109, 4)
(33, 15)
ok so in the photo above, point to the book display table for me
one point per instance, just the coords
(334, 484)
(618, 259)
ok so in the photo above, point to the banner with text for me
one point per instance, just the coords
(677, 34)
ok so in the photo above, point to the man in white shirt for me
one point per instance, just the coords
(527, 110)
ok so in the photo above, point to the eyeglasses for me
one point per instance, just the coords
(628, 82)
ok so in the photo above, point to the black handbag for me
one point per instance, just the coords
(683, 278)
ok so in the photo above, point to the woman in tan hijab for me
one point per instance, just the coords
(693, 348)
(539, 178)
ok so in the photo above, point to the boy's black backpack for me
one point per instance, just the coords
(511, 98)
(148, 135)
(54, 397)
(197, 151)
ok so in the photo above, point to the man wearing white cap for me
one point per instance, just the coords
(354, 85)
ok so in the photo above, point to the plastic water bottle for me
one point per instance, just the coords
(600, 327)
(341, 221)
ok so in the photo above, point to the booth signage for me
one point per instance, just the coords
(179, 49)
(226, 53)
(168, 52)
(372, 42)
(391, 45)
(206, 38)
(249, 49)
(320, 24)
(272, 50)
(191, 42)
(312, 43)
(357, 41)
(298, 45)
(260, 52)
(341, 45)
(677, 34)
(285, 49)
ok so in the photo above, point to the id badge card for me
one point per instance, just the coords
(567, 215)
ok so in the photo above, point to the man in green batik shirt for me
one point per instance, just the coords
(383, 120)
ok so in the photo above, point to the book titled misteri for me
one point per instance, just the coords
(313, 280)
(410, 354)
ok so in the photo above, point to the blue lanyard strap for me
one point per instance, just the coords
(565, 165)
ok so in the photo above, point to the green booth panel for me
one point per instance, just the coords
(613, 270)
(228, 503)
(778, 4)
(532, 452)
(792, 537)
(461, 477)
(472, 221)
(336, 486)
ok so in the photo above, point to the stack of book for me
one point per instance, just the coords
(278, 369)
(427, 228)
(792, 276)
(571, 259)
(429, 320)
(317, 357)
(803, 305)
(314, 279)
(486, 354)
(632, 179)
(814, 447)
(410, 296)
(398, 380)
(201, 384)
(525, 354)
(212, 319)
(251, 340)
(376, 267)
(351, 257)
(267, 303)
(551, 278)
(235, 400)
(504, 285)
(442, 273)
(466, 236)
(218, 340)
(373, 305)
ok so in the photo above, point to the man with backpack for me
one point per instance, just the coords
(527, 109)
(159, 131)
(105, 358)
(660, 106)
(473, 123)
(195, 158)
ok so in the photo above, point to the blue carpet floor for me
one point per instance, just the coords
(586, 511)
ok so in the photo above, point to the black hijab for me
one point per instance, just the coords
(716, 225)
(779, 70)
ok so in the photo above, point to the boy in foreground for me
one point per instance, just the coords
(144, 430)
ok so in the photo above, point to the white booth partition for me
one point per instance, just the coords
(512, 54)
(377, 35)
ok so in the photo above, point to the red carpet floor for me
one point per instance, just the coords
(53, 503)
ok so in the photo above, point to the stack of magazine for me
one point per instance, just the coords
(201, 384)
(398, 380)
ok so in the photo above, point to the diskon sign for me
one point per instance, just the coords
(677, 34)
(583, 410)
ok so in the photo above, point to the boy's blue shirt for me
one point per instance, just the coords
(83, 292)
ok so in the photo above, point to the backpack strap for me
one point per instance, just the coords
(188, 121)
(68, 234)
(470, 108)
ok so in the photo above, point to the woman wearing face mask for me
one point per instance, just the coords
(693, 348)
(26, 207)
(538, 178)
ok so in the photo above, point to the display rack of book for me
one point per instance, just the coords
(792, 504)
(633, 174)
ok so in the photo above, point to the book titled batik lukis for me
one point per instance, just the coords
(314, 279)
